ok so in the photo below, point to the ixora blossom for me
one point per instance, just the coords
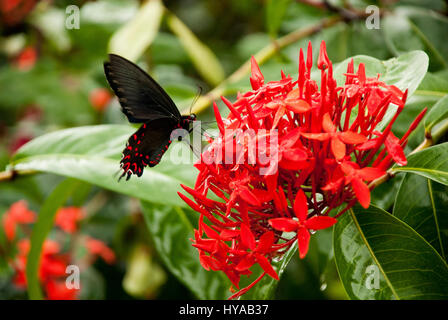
(329, 148)
(53, 260)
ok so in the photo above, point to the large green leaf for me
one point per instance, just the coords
(423, 205)
(371, 244)
(92, 154)
(171, 230)
(431, 163)
(438, 113)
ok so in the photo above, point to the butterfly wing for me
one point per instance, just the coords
(141, 98)
(147, 146)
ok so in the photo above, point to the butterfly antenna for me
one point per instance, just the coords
(196, 98)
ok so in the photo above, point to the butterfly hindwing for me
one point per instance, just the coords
(147, 146)
(141, 98)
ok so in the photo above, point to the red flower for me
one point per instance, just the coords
(17, 214)
(303, 224)
(338, 139)
(58, 290)
(99, 98)
(52, 263)
(26, 59)
(304, 150)
(67, 218)
(257, 252)
(99, 248)
(13, 12)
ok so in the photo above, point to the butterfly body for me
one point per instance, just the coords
(143, 101)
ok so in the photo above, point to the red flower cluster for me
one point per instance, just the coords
(67, 218)
(99, 98)
(53, 262)
(327, 147)
(17, 214)
(13, 12)
(26, 59)
(51, 272)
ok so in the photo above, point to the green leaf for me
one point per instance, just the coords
(133, 38)
(275, 11)
(92, 154)
(204, 60)
(171, 229)
(371, 244)
(437, 113)
(431, 163)
(423, 205)
(409, 29)
(40, 231)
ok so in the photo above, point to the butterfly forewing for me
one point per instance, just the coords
(141, 98)
(143, 101)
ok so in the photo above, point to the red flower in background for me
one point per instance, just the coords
(12, 12)
(17, 214)
(53, 262)
(99, 98)
(67, 218)
(99, 248)
(328, 146)
(26, 59)
(52, 269)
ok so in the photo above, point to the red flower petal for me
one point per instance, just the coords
(218, 118)
(248, 196)
(327, 124)
(320, 222)
(301, 205)
(245, 264)
(227, 234)
(297, 106)
(265, 243)
(362, 192)
(256, 79)
(370, 174)
(303, 241)
(316, 136)
(247, 237)
(393, 147)
(352, 137)
(338, 148)
(284, 224)
(266, 266)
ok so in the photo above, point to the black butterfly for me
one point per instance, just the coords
(143, 101)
